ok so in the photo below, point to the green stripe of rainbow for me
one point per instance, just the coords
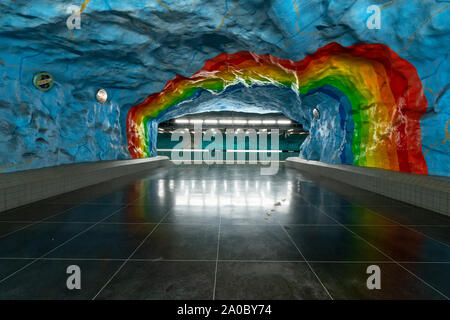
(384, 91)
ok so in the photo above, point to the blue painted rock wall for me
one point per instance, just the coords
(131, 48)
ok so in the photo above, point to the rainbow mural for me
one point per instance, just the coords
(384, 94)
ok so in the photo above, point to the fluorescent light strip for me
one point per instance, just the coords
(284, 121)
(224, 161)
(229, 150)
(196, 121)
(237, 121)
(181, 121)
(269, 121)
(210, 121)
(254, 121)
(226, 121)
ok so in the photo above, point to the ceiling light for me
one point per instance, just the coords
(284, 121)
(269, 121)
(226, 121)
(239, 121)
(210, 121)
(316, 114)
(254, 121)
(102, 96)
(181, 121)
(196, 121)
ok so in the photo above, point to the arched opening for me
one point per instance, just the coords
(245, 129)
(370, 101)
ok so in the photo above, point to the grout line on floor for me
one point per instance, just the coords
(225, 260)
(411, 229)
(40, 221)
(59, 246)
(217, 257)
(235, 224)
(379, 250)
(129, 257)
(308, 264)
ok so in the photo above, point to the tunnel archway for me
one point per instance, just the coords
(378, 98)
(238, 102)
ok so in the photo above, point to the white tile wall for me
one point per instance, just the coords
(20, 188)
(420, 190)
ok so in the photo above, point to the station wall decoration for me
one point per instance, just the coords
(102, 95)
(381, 94)
(43, 81)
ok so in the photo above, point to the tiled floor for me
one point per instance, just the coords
(223, 232)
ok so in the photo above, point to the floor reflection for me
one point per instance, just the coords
(196, 231)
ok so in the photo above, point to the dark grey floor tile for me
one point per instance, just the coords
(349, 281)
(46, 280)
(75, 197)
(356, 216)
(373, 199)
(34, 212)
(105, 241)
(180, 242)
(194, 215)
(86, 213)
(301, 215)
(242, 242)
(8, 266)
(10, 227)
(267, 281)
(98, 195)
(314, 198)
(297, 201)
(247, 216)
(38, 239)
(409, 215)
(435, 274)
(139, 214)
(162, 280)
(440, 233)
(402, 244)
(118, 197)
(331, 243)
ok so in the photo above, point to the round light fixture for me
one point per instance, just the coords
(316, 114)
(102, 96)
